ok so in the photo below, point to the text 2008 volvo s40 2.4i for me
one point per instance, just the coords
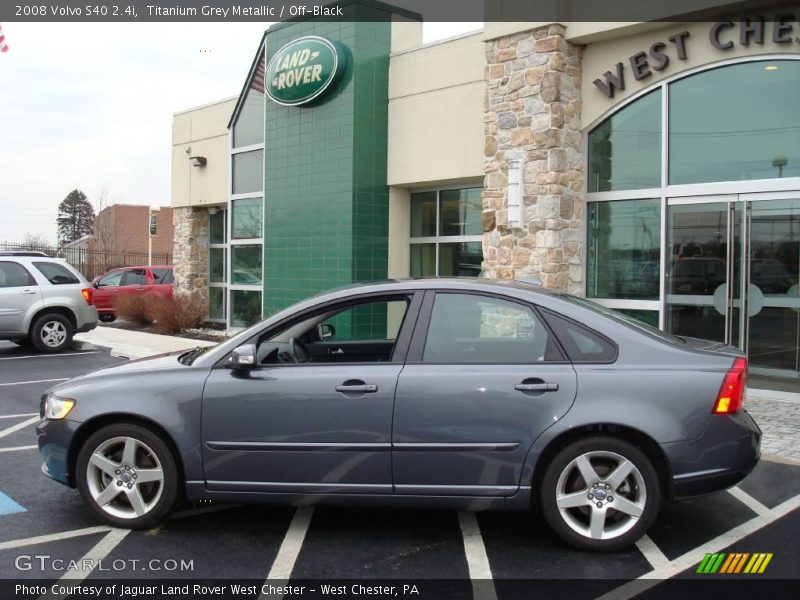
(463, 393)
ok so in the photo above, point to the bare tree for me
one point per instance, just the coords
(104, 234)
(35, 241)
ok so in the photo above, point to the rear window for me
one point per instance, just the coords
(162, 276)
(55, 273)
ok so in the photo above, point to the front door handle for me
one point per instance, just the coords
(356, 386)
(28, 291)
(539, 386)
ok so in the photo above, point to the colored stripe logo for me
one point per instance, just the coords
(735, 562)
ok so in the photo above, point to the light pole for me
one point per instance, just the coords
(151, 224)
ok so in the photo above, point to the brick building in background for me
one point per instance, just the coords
(125, 228)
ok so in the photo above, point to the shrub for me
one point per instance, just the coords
(177, 313)
(134, 308)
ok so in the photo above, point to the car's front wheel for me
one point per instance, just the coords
(600, 493)
(51, 333)
(127, 475)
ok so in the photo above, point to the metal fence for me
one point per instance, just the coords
(92, 263)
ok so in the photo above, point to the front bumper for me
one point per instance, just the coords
(54, 438)
(726, 453)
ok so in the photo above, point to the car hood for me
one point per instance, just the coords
(159, 362)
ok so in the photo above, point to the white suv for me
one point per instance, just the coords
(43, 301)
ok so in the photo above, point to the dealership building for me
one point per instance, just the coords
(651, 167)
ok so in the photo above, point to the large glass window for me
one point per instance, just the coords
(216, 303)
(245, 308)
(625, 149)
(216, 227)
(624, 249)
(249, 126)
(446, 233)
(216, 265)
(248, 172)
(246, 264)
(735, 123)
(247, 218)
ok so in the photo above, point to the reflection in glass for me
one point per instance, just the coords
(247, 218)
(460, 259)
(216, 303)
(624, 249)
(461, 212)
(245, 308)
(645, 316)
(625, 149)
(216, 265)
(423, 214)
(736, 122)
(248, 172)
(246, 264)
(423, 260)
(216, 227)
(249, 126)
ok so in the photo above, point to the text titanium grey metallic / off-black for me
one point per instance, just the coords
(458, 393)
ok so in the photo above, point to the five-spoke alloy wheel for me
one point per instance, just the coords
(127, 474)
(51, 333)
(600, 493)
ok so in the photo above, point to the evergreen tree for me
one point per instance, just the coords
(75, 217)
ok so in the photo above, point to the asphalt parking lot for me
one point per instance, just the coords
(492, 555)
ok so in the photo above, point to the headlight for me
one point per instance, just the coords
(57, 408)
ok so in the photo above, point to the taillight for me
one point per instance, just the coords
(731, 395)
(87, 294)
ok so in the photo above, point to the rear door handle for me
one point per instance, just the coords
(357, 388)
(28, 291)
(536, 387)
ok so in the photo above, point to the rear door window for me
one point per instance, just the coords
(14, 275)
(477, 329)
(55, 273)
(134, 277)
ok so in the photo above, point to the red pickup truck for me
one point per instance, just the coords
(129, 280)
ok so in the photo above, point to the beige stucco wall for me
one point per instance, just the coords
(603, 56)
(436, 112)
(201, 131)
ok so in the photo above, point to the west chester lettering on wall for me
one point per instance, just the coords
(723, 35)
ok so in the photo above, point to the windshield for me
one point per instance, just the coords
(621, 318)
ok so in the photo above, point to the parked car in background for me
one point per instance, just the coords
(43, 301)
(460, 393)
(129, 280)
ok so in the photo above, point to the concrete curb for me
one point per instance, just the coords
(128, 344)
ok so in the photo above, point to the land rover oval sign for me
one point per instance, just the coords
(303, 70)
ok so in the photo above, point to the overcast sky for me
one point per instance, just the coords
(90, 106)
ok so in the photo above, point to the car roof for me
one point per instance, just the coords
(463, 283)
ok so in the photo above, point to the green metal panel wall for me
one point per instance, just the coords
(326, 199)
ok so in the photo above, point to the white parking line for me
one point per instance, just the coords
(94, 556)
(18, 416)
(749, 501)
(18, 448)
(53, 537)
(693, 557)
(283, 565)
(480, 572)
(18, 426)
(49, 355)
(651, 552)
(33, 381)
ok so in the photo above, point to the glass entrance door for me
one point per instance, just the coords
(732, 276)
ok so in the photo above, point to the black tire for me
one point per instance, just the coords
(107, 318)
(44, 324)
(637, 526)
(153, 442)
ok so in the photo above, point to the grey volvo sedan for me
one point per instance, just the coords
(454, 393)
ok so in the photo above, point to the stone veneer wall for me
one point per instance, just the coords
(190, 252)
(532, 114)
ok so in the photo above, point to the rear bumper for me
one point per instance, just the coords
(86, 318)
(725, 454)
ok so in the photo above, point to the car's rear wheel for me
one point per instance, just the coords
(127, 475)
(51, 333)
(600, 493)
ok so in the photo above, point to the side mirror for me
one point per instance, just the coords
(243, 357)
(325, 331)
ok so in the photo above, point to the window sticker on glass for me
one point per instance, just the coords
(525, 327)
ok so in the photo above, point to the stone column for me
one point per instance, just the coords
(190, 251)
(532, 115)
